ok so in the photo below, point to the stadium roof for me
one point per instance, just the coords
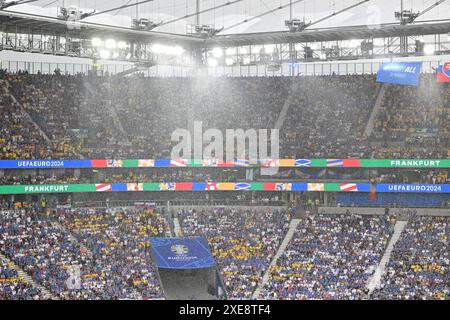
(38, 23)
(27, 22)
(372, 12)
(332, 34)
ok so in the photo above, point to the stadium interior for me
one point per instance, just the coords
(346, 198)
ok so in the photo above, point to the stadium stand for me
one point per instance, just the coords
(243, 242)
(13, 287)
(150, 109)
(419, 265)
(329, 257)
(114, 261)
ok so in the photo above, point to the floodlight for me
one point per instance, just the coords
(217, 52)
(110, 44)
(212, 63)
(97, 42)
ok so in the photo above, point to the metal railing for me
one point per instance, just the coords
(256, 70)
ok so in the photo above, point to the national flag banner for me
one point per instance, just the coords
(152, 186)
(283, 187)
(198, 186)
(162, 163)
(210, 163)
(443, 73)
(99, 163)
(167, 186)
(225, 164)
(135, 187)
(194, 163)
(335, 163)
(242, 163)
(302, 163)
(316, 187)
(257, 186)
(114, 163)
(242, 186)
(146, 163)
(268, 186)
(269, 163)
(298, 186)
(178, 163)
(183, 186)
(103, 187)
(352, 163)
(130, 163)
(348, 187)
(119, 187)
(287, 163)
(225, 186)
(211, 186)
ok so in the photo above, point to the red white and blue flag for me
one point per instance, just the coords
(178, 163)
(103, 187)
(348, 187)
(443, 73)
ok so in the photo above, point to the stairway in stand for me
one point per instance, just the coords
(375, 280)
(28, 279)
(292, 227)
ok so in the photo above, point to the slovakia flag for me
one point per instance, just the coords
(443, 73)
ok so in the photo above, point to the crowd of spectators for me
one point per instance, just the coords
(111, 254)
(419, 268)
(414, 122)
(19, 139)
(134, 117)
(118, 240)
(329, 257)
(13, 286)
(328, 116)
(243, 242)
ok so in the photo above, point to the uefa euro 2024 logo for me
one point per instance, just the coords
(179, 249)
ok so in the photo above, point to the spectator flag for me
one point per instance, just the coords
(372, 193)
(443, 72)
